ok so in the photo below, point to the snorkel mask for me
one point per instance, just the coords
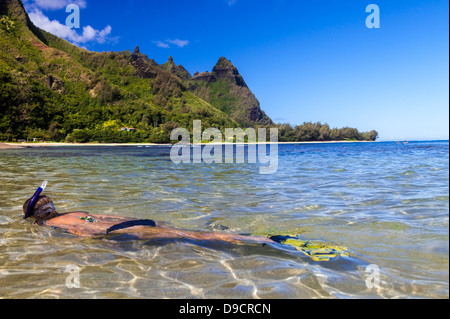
(34, 200)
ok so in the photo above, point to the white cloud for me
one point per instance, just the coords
(102, 36)
(160, 44)
(166, 44)
(179, 43)
(89, 34)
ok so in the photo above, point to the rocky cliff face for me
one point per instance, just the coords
(204, 76)
(225, 70)
(226, 89)
(145, 68)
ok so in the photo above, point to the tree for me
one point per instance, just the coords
(370, 136)
(324, 133)
(54, 132)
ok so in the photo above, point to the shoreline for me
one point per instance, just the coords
(17, 146)
(6, 146)
(25, 145)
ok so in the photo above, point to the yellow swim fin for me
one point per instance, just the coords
(317, 251)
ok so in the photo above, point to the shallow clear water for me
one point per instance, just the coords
(387, 202)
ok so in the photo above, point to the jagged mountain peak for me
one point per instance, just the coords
(224, 63)
(178, 70)
(226, 89)
(224, 69)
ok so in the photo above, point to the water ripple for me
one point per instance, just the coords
(387, 203)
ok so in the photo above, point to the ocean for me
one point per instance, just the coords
(387, 203)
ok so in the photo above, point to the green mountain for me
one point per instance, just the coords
(53, 90)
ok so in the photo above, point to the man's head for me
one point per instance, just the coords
(43, 210)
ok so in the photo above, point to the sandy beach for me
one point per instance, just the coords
(4, 146)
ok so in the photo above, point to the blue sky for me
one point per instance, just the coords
(304, 60)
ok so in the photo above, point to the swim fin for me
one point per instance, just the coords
(317, 251)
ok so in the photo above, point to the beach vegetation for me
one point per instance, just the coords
(311, 132)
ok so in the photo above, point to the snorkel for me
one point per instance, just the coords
(34, 200)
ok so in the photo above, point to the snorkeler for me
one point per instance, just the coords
(42, 210)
